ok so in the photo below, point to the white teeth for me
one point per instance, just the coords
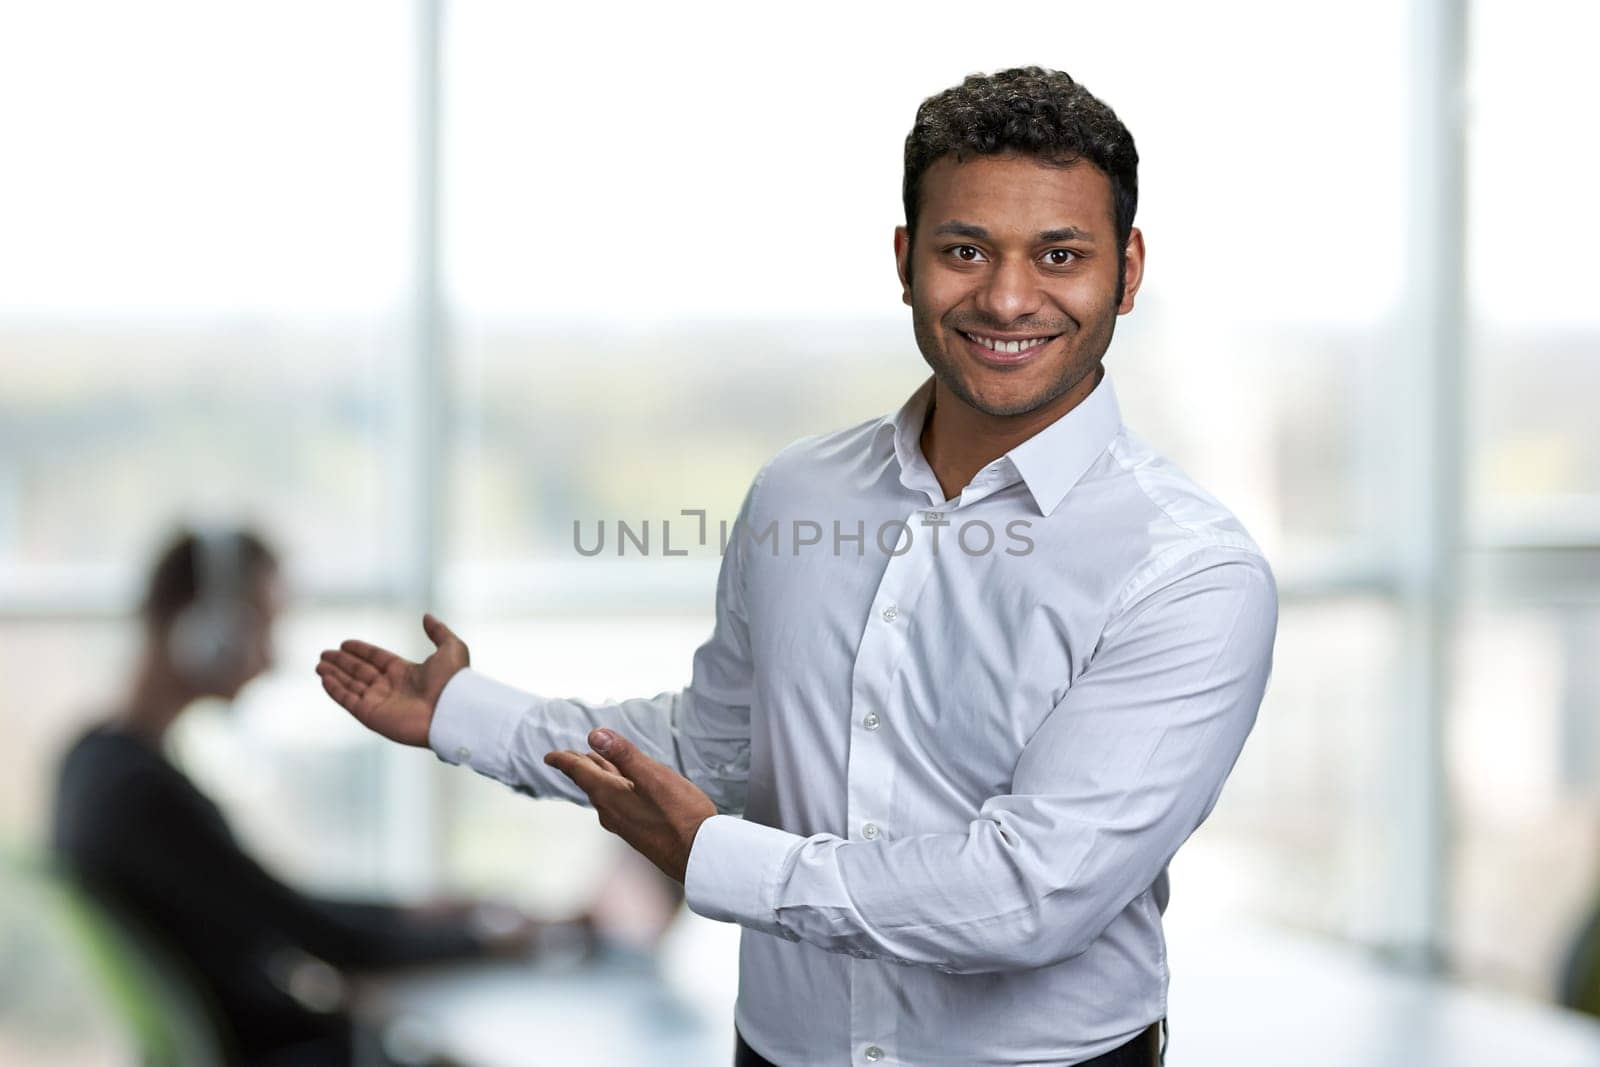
(1007, 346)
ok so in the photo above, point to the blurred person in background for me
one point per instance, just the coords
(157, 852)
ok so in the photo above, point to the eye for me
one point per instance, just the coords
(966, 253)
(1061, 257)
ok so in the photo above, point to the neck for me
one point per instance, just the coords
(156, 697)
(958, 440)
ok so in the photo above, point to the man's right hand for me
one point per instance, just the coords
(389, 695)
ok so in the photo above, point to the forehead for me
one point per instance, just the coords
(1017, 193)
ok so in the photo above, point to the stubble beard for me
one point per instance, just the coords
(1084, 356)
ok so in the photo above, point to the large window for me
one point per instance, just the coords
(205, 286)
(1526, 710)
(665, 263)
(419, 287)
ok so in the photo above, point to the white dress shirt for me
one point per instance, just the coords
(950, 766)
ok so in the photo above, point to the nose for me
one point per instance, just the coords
(1010, 291)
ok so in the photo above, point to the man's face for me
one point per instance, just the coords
(1010, 249)
(264, 602)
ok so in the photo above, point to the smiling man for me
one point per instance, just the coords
(938, 780)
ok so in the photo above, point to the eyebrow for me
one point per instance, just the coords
(967, 229)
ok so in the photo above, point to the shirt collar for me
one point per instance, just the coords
(1049, 463)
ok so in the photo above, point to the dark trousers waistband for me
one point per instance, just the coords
(1148, 1049)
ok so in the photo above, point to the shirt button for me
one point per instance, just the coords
(873, 1053)
(869, 831)
(870, 720)
(463, 753)
(891, 613)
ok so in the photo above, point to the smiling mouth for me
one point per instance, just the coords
(1000, 350)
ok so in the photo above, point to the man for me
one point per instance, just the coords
(160, 855)
(963, 761)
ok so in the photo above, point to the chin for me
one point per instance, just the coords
(1000, 394)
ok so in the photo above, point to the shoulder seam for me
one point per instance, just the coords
(1138, 481)
(1152, 569)
(1198, 540)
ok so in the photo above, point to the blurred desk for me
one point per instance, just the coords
(613, 1008)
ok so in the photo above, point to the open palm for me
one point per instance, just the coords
(390, 695)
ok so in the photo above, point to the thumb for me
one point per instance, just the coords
(437, 632)
(634, 765)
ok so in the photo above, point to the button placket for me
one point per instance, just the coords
(869, 774)
(874, 1012)
(871, 769)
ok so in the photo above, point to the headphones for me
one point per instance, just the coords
(209, 640)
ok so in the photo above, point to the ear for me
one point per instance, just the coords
(1132, 270)
(902, 262)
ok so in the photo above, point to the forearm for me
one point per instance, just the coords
(965, 903)
(201, 875)
(362, 934)
(505, 733)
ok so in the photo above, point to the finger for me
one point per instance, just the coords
(350, 665)
(604, 764)
(644, 772)
(342, 694)
(563, 760)
(438, 632)
(380, 658)
(591, 779)
(349, 681)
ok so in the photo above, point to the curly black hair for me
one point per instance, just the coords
(1040, 112)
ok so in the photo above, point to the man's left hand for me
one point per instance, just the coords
(646, 803)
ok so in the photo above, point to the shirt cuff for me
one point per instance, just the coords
(734, 869)
(473, 722)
